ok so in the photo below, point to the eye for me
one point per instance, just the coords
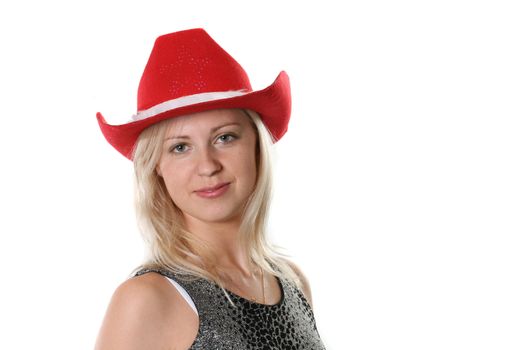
(225, 138)
(178, 148)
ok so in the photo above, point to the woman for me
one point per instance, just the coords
(200, 145)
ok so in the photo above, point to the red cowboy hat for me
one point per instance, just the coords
(189, 72)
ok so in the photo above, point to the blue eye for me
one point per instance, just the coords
(178, 148)
(226, 138)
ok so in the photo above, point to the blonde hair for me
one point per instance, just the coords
(170, 246)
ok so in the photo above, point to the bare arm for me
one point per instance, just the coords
(143, 313)
(132, 318)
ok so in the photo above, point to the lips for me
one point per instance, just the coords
(212, 189)
(213, 192)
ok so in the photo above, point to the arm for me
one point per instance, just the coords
(133, 319)
(143, 314)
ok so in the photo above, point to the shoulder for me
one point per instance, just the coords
(142, 314)
(143, 294)
(305, 285)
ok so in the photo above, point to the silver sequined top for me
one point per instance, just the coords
(289, 324)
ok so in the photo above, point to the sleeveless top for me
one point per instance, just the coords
(289, 324)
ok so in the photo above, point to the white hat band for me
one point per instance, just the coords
(186, 101)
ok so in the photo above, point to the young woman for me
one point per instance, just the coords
(200, 145)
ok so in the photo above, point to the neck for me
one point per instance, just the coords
(223, 238)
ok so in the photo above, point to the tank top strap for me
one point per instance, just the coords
(197, 289)
(289, 324)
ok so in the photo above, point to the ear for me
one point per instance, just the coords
(157, 170)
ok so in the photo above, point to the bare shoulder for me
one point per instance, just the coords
(304, 281)
(142, 314)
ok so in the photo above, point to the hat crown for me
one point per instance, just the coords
(186, 63)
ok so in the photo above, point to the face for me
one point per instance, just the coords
(208, 164)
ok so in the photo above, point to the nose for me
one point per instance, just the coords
(208, 163)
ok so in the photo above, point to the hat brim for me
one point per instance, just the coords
(272, 103)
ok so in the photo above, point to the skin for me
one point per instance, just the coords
(147, 312)
(206, 159)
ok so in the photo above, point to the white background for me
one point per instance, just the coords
(399, 186)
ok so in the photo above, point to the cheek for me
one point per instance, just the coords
(248, 167)
(176, 184)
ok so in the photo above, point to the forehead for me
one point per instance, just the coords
(204, 121)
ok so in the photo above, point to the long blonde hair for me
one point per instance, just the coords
(170, 246)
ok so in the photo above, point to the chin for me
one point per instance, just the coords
(216, 215)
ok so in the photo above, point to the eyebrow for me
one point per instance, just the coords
(212, 130)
